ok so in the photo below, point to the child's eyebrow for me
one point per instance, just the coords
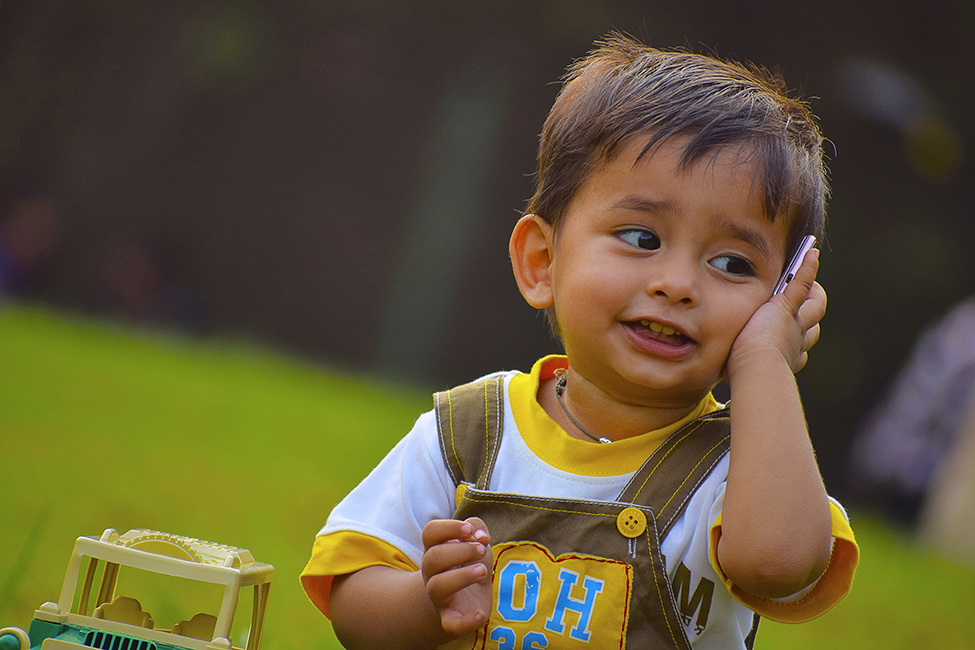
(640, 203)
(752, 237)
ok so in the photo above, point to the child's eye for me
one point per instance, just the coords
(733, 265)
(645, 239)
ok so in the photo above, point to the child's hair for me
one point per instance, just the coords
(624, 88)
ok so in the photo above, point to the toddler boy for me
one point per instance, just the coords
(606, 500)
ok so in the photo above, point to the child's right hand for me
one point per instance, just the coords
(456, 570)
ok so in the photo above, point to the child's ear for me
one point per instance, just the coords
(532, 248)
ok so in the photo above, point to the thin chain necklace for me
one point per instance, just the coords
(560, 382)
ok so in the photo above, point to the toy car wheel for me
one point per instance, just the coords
(14, 638)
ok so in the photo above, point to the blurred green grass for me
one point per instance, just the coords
(106, 426)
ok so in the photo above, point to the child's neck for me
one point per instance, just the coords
(588, 413)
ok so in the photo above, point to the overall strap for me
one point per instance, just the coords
(674, 471)
(469, 423)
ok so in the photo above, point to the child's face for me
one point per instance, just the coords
(655, 271)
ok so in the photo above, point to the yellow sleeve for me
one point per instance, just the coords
(343, 552)
(831, 588)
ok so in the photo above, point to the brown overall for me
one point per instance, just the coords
(576, 573)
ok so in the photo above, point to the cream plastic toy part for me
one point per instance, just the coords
(109, 622)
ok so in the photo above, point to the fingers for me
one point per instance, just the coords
(812, 310)
(811, 338)
(442, 531)
(442, 558)
(807, 299)
(457, 556)
(797, 290)
(441, 586)
(813, 307)
(800, 362)
(788, 323)
(459, 624)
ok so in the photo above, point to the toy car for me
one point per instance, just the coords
(101, 619)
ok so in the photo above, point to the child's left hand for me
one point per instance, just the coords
(775, 536)
(787, 324)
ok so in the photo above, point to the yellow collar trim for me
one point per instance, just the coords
(552, 444)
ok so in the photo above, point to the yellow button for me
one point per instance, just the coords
(631, 522)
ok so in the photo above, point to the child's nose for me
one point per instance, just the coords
(675, 280)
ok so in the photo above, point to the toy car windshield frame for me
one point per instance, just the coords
(172, 555)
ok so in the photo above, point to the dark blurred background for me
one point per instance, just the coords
(338, 179)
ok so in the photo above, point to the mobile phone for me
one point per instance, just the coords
(790, 271)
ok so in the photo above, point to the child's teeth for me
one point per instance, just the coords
(657, 327)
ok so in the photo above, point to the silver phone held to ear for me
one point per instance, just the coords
(790, 271)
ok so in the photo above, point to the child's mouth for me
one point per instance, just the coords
(659, 332)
